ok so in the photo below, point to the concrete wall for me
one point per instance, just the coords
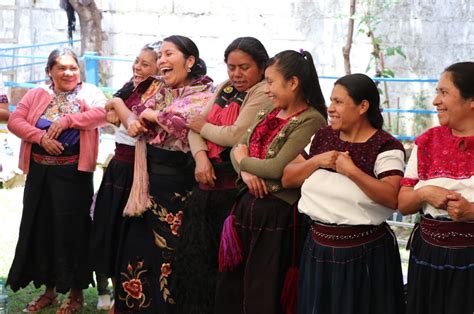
(432, 33)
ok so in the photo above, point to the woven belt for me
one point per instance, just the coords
(55, 160)
(125, 153)
(346, 236)
(447, 233)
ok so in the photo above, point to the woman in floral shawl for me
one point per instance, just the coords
(150, 233)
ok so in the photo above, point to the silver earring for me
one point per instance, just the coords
(188, 70)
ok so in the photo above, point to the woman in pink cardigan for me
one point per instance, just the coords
(58, 127)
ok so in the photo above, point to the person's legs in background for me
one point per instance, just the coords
(104, 302)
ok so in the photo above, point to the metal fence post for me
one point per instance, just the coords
(91, 67)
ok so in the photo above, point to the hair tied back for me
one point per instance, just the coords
(303, 54)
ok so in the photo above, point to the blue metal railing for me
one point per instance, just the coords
(418, 111)
(58, 43)
(391, 79)
(91, 62)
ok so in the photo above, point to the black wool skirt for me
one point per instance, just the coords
(145, 260)
(52, 247)
(270, 231)
(111, 199)
(197, 253)
(440, 279)
(364, 279)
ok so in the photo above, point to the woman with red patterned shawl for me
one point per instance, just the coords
(227, 116)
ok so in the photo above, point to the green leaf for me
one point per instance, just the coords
(390, 51)
(399, 51)
(377, 40)
(388, 73)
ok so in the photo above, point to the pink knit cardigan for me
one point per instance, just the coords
(23, 120)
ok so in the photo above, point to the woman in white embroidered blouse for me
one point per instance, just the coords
(439, 181)
(349, 187)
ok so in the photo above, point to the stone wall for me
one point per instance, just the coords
(432, 33)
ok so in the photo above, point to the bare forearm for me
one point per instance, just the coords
(122, 112)
(297, 171)
(383, 192)
(409, 200)
(4, 114)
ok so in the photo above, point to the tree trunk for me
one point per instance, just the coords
(346, 50)
(90, 19)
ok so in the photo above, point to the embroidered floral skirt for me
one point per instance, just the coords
(53, 242)
(363, 279)
(144, 280)
(108, 216)
(265, 228)
(196, 256)
(440, 279)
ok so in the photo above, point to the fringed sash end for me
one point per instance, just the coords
(139, 199)
(230, 250)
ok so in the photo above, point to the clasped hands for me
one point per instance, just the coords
(457, 206)
(341, 162)
(49, 140)
(111, 115)
(136, 126)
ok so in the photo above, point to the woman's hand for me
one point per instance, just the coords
(51, 146)
(135, 128)
(54, 130)
(255, 184)
(204, 172)
(327, 160)
(196, 123)
(436, 196)
(112, 117)
(459, 208)
(345, 165)
(110, 104)
(148, 115)
(240, 152)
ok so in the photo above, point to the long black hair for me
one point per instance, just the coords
(189, 48)
(361, 87)
(300, 64)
